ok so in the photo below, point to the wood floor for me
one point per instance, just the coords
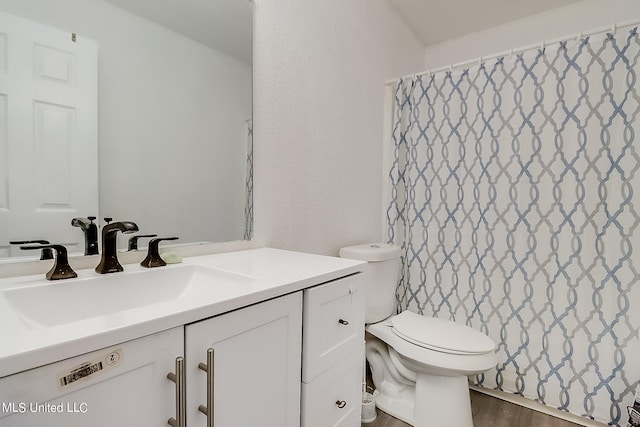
(490, 412)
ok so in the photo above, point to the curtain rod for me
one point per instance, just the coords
(611, 29)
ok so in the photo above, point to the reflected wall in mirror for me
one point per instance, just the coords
(173, 117)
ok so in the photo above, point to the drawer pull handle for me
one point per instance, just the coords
(343, 322)
(341, 403)
(178, 379)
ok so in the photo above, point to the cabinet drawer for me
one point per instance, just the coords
(333, 324)
(122, 385)
(341, 383)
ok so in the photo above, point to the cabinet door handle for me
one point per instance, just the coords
(208, 368)
(341, 403)
(343, 322)
(178, 379)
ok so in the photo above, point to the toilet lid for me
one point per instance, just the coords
(440, 335)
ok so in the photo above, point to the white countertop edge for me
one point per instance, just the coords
(278, 273)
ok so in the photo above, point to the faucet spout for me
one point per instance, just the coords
(125, 227)
(90, 231)
(109, 262)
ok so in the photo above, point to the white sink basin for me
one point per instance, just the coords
(58, 302)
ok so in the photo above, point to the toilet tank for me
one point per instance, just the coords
(383, 270)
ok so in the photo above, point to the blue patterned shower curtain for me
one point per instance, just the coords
(248, 183)
(515, 196)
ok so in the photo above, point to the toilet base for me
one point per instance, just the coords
(443, 402)
(401, 409)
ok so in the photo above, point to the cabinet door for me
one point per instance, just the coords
(123, 385)
(256, 366)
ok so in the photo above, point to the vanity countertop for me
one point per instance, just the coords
(264, 274)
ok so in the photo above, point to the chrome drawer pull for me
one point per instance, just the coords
(178, 379)
(343, 322)
(208, 368)
(341, 403)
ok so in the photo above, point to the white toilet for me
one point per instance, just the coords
(419, 364)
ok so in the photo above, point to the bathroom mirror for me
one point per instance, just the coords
(174, 105)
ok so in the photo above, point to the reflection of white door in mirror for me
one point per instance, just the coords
(48, 123)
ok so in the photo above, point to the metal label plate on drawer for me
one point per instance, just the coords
(90, 368)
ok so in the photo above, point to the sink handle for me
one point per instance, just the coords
(61, 268)
(133, 241)
(46, 253)
(153, 258)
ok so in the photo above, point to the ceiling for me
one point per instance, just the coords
(434, 21)
(224, 25)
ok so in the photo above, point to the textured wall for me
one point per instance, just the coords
(319, 71)
(582, 16)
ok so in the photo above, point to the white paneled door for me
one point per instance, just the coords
(48, 133)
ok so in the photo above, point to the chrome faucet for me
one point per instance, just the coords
(109, 261)
(90, 234)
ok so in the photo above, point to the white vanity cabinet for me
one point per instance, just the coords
(122, 385)
(333, 353)
(254, 368)
(266, 338)
(252, 358)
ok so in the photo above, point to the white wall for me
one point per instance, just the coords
(165, 104)
(564, 21)
(319, 73)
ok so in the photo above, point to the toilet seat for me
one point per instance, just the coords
(440, 335)
(434, 361)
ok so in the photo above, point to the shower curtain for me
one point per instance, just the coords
(248, 182)
(514, 192)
